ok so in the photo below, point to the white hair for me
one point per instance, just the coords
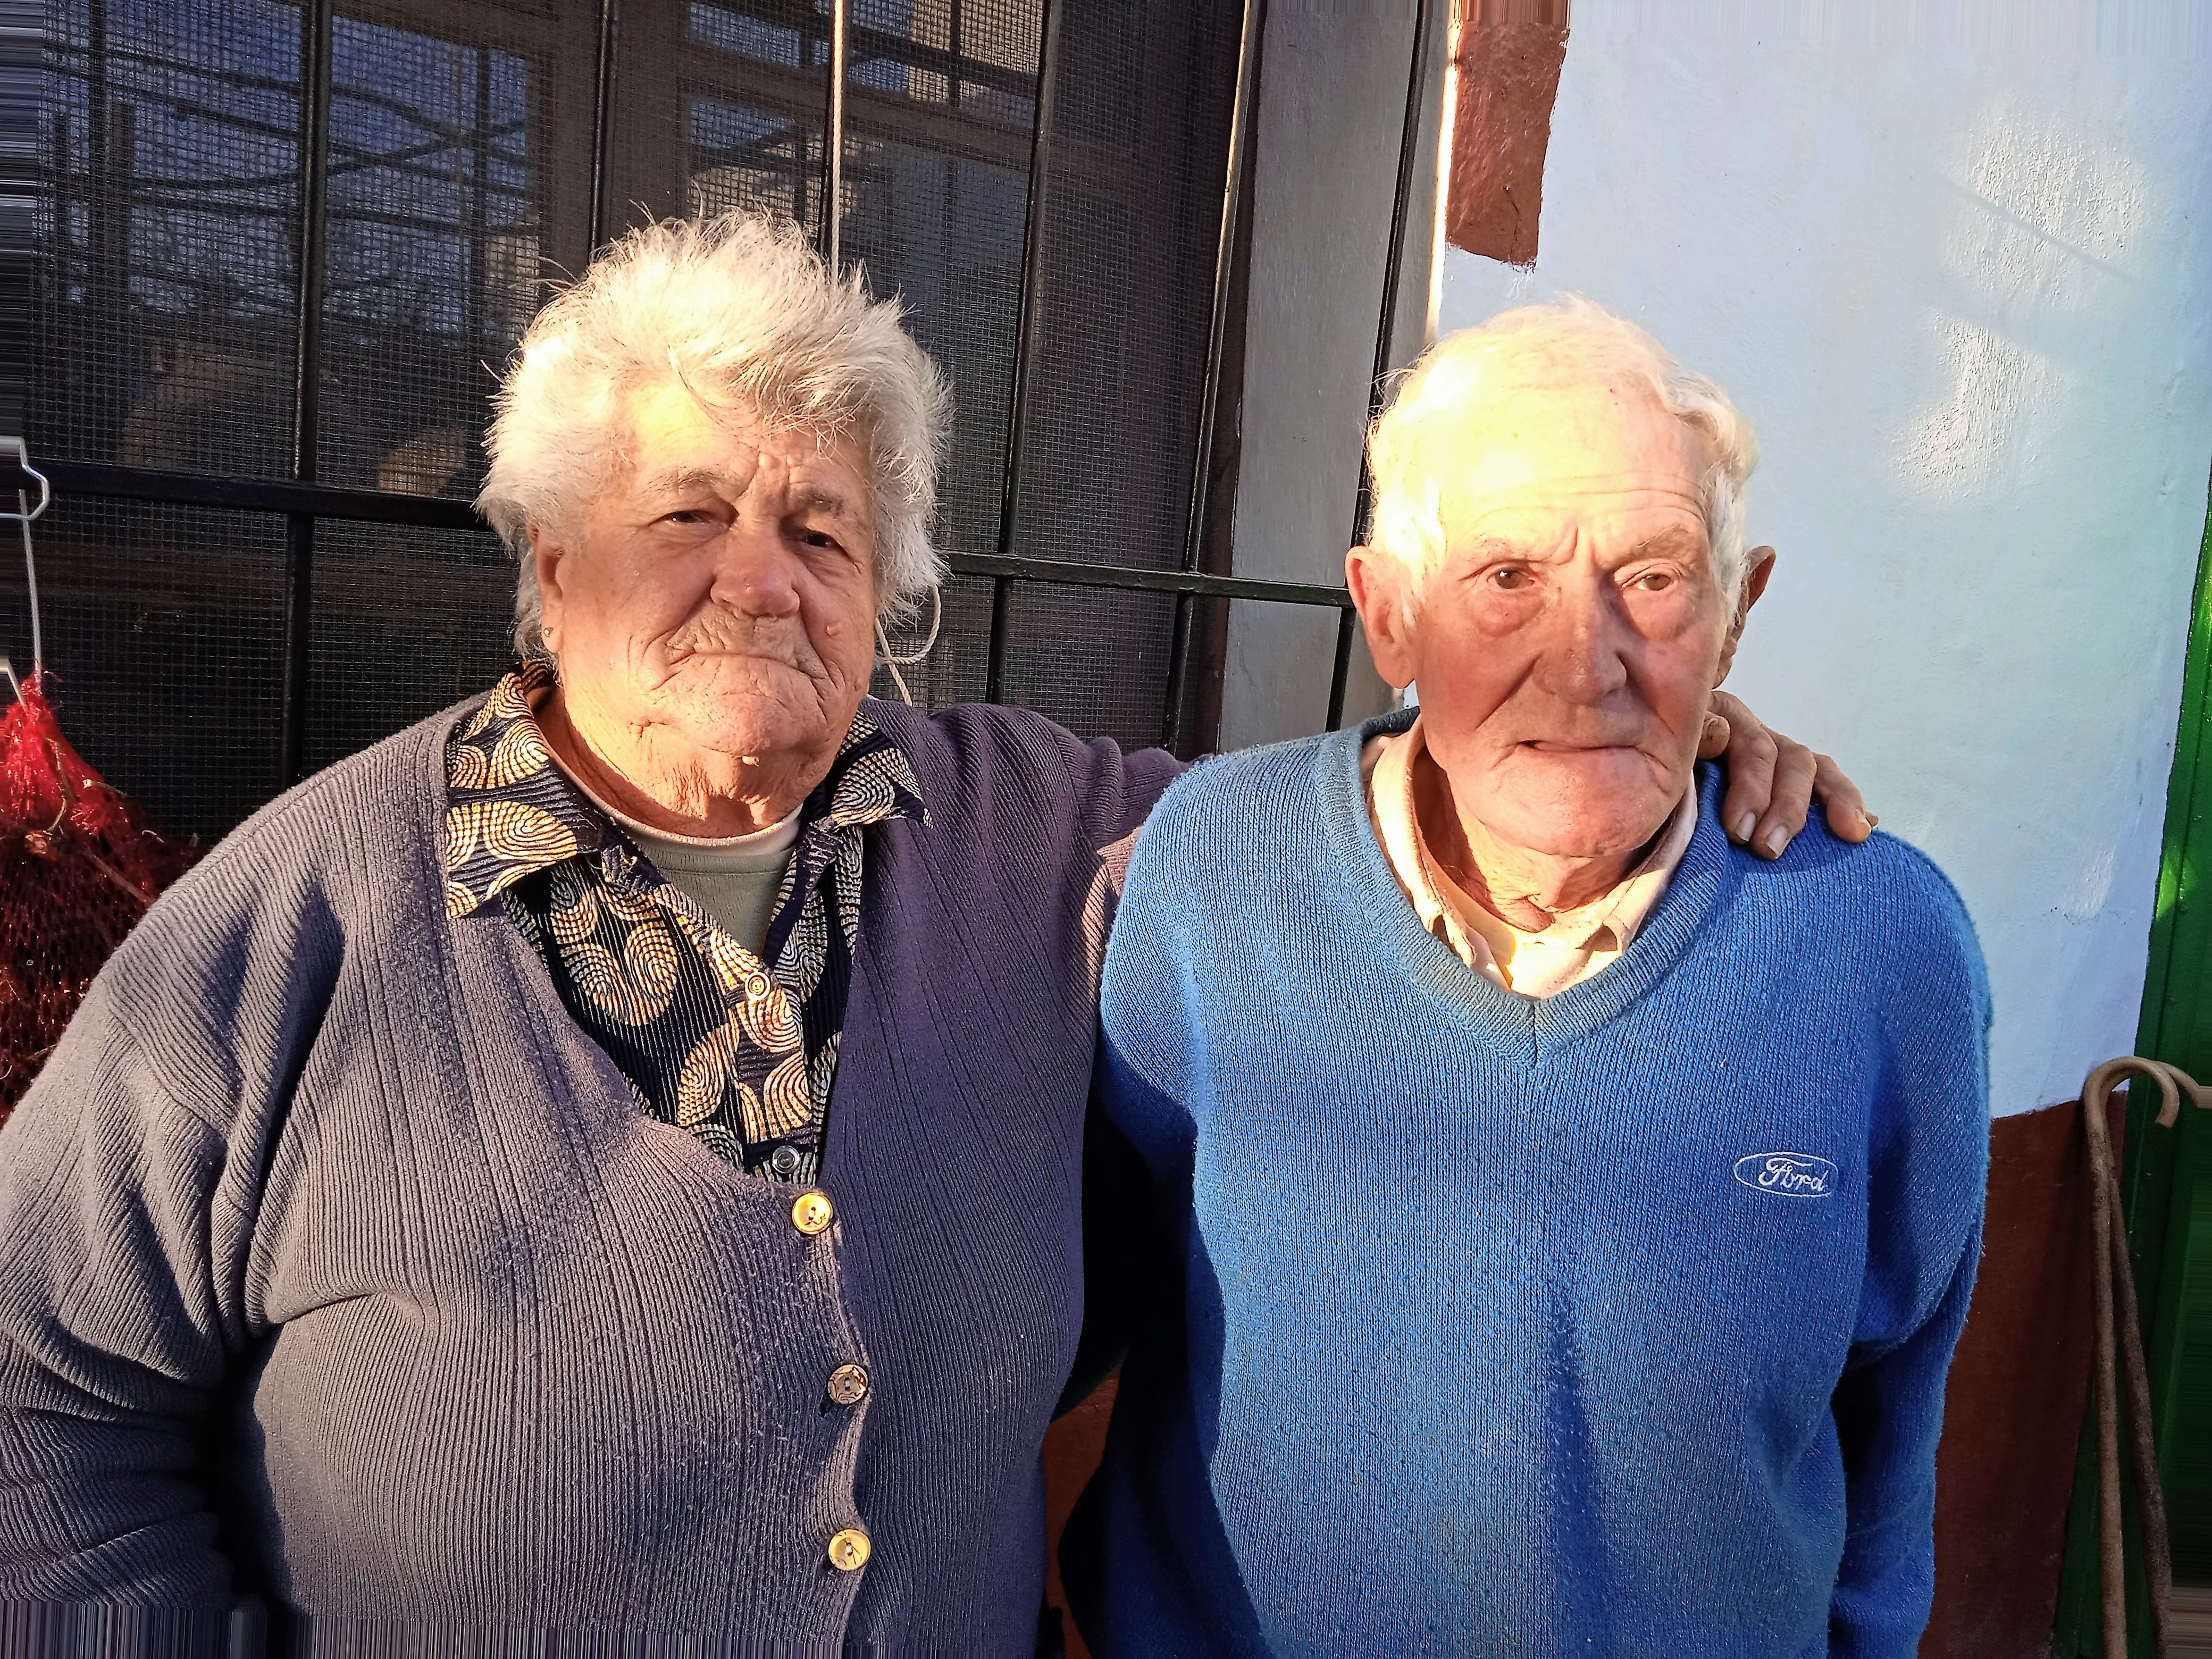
(1568, 342)
(739, 310)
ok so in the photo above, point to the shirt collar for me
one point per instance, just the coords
(1438, 900)
(511, 810)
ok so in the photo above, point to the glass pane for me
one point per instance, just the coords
(936, 196)
(721, 104)
(164, 630)
(444, 219)
(167, 212)
(406, 622)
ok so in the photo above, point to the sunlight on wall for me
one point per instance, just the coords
(1958, 270)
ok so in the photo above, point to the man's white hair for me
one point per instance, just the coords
(1567, 342)
(739, 311)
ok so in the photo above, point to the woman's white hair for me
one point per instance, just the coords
(1567, 342)
(740, 311)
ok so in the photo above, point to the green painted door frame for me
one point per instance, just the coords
(2167, 1181)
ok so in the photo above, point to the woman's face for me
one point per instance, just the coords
(719, 596)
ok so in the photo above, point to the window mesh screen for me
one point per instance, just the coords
(376, 666)
(440, 219)
(460, 174)
(164, 630)
(166, 223)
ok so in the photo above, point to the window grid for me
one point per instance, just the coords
(447, 225)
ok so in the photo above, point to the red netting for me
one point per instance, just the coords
(79, 865)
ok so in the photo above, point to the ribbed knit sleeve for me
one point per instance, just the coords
(1928, 1163)
(128, 1183)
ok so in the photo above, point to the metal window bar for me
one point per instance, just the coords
(1385, 330)
(1224, 259)
(306, 377)
(303, 500)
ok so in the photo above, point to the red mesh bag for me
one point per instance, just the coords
(79, 865)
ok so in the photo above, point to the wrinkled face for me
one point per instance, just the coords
(720, 591)
(1568, 646)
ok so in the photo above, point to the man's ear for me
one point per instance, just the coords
(1761, 561)
(545, 554)
(1378, 581)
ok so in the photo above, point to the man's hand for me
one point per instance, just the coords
(1773, 780)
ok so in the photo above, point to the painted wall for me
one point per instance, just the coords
(1956, 262)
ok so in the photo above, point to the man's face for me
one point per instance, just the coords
(719, 596)
(1568, 646)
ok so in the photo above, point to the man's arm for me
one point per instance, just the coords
(1927, 1172)
(1889, 1415)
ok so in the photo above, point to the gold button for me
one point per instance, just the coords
(848, 1550)
(810, 1212)
(847, 1384)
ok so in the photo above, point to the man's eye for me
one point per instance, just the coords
(684, 515)
(1509, 578)
(818, 539)
(1655, 582)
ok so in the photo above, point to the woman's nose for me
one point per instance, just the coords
(756, 571)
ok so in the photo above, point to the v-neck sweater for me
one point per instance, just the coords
(338, 1265)
(1609, 1323)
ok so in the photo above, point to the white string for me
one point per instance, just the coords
(895, 663)
(30, 581)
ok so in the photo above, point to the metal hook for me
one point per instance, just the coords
(23, 515)
(45, 491)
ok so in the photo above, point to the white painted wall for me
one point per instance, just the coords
(1955, 259)
(1333, 83)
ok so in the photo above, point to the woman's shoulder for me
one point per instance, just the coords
(364, 825)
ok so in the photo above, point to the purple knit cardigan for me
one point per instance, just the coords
(337, 1264)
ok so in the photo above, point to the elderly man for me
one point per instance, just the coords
(608, 1157)
(1573, 1218)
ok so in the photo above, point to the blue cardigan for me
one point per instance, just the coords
(1611, 1324)
(337, 1263)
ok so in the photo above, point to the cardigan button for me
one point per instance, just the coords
(812, 1213)
(847, 1384)
(848, 1550)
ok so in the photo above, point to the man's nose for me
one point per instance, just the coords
(756, 571)
(1583, 657)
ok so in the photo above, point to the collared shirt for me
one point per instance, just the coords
(738, 1047)
(1579, 942)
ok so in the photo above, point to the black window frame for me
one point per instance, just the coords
(302, 500)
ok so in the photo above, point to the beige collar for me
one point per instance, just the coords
(1578, 944)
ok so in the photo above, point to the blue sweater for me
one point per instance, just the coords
(1611, 1324)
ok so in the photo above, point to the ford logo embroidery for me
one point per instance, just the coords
(1790, 1174)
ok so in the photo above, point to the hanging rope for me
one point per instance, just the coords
(2120, 1363)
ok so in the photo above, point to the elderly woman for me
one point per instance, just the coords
(1574, 1216)
(609, 1156)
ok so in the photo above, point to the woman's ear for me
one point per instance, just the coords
(545, 554)
(1378, 584)
(1761, 561)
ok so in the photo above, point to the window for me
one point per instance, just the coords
(280, 248)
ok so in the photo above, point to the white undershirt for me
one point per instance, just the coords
(1580, 943)
(733, 879)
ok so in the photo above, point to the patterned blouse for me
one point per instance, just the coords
(740, 1050)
